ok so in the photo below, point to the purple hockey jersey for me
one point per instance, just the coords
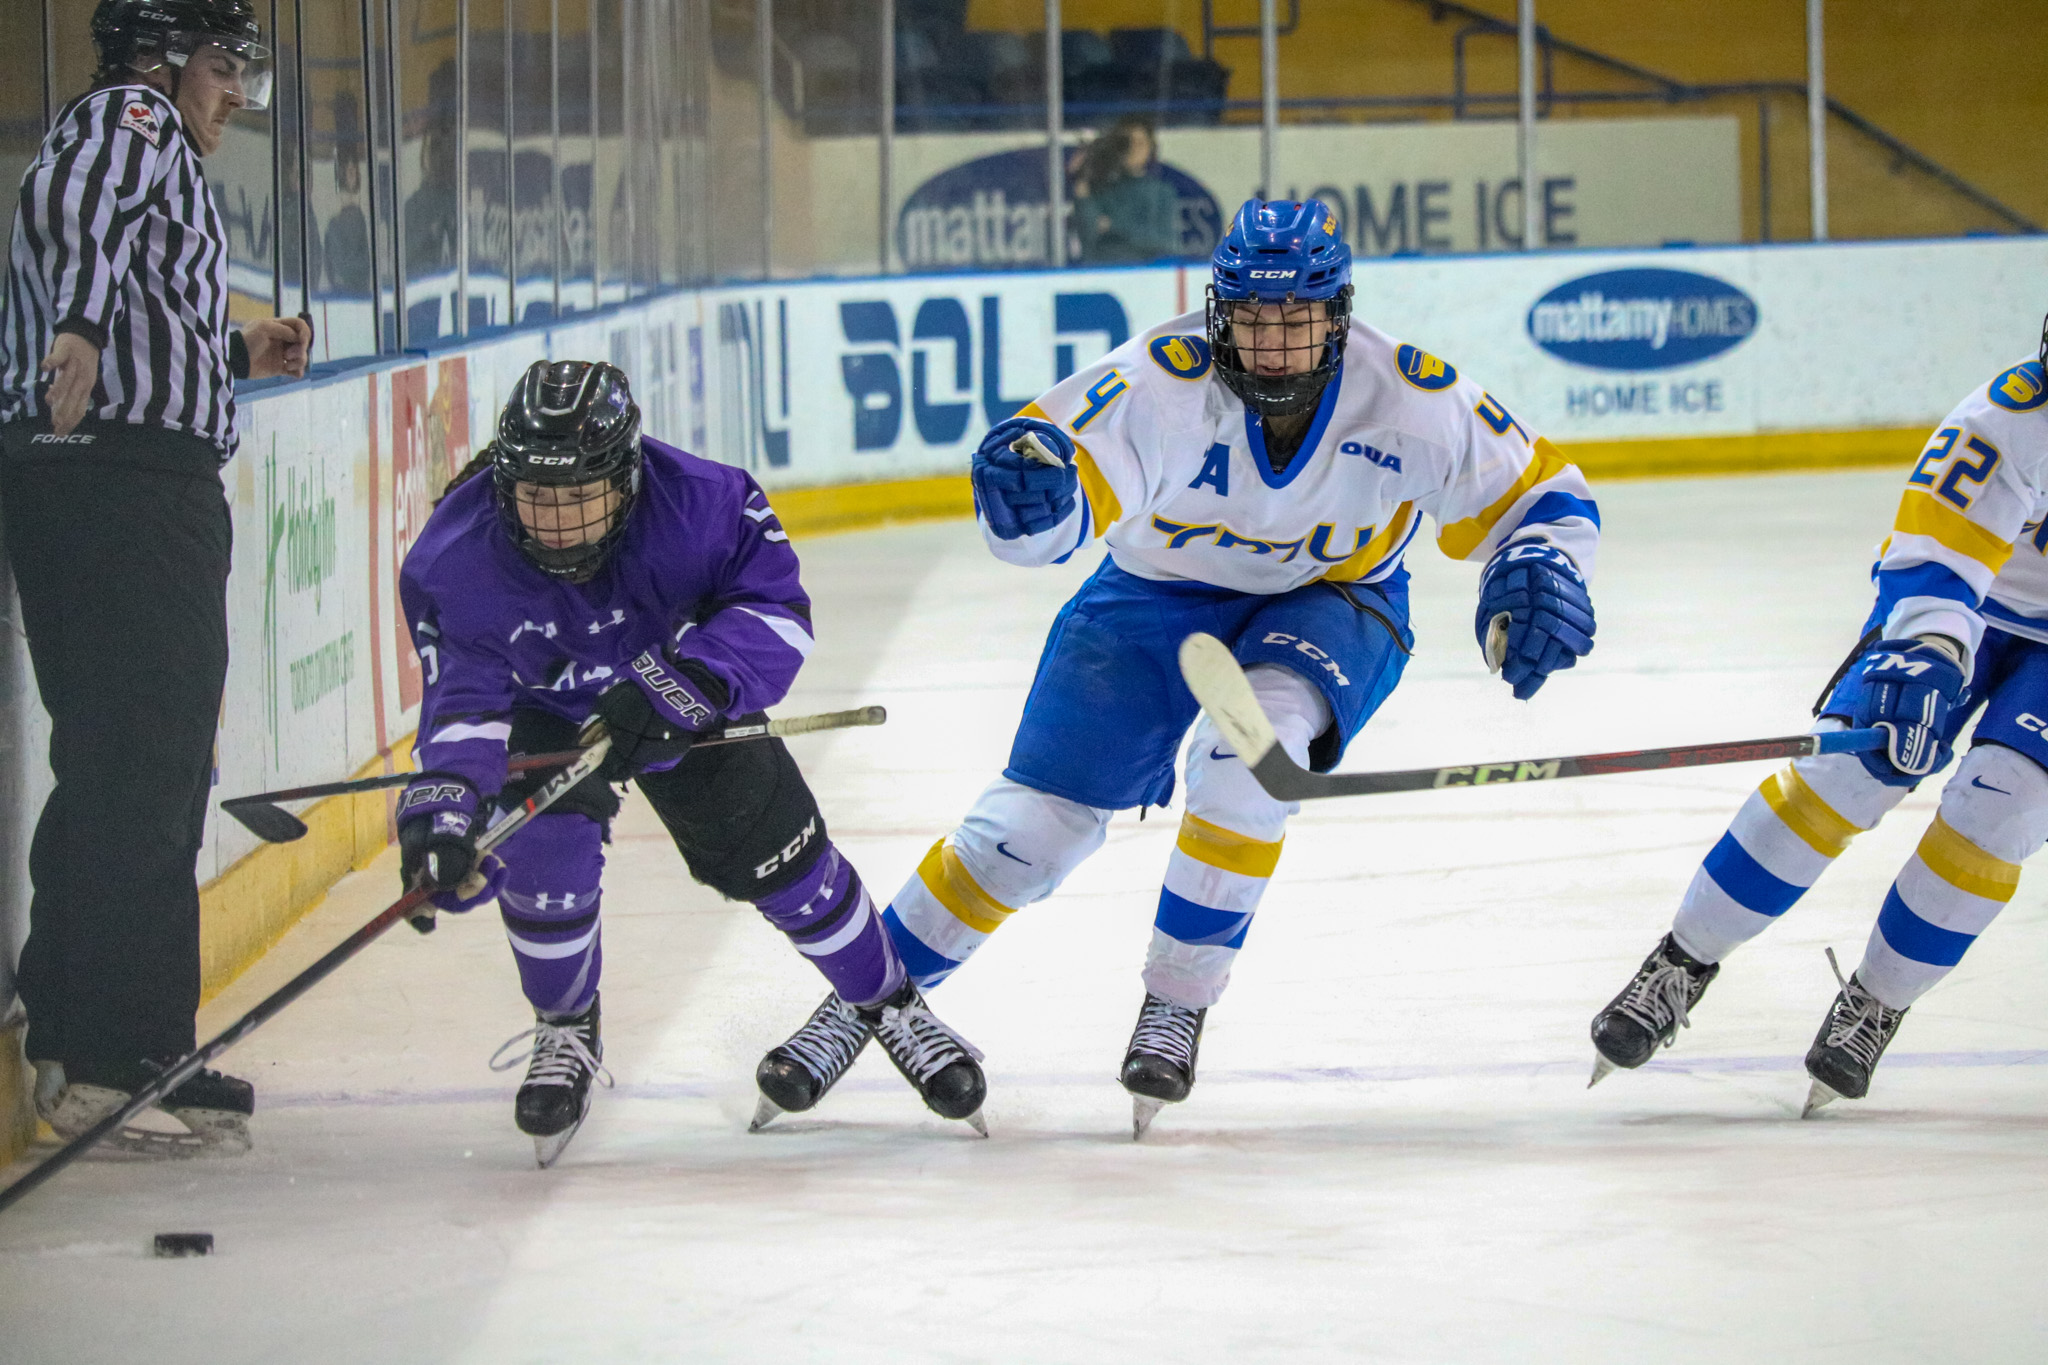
(704, 568)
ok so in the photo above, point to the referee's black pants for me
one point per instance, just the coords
(120, 553)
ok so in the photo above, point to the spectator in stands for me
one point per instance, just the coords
(1124, 210)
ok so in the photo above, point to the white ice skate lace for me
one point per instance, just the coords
(919, 1042)
(559, 1054)
(1660, 999)
(1860, 1024)
(829, 1040)
(1166, 1030)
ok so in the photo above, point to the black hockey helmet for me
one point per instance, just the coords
(571, 424)
(133, 35)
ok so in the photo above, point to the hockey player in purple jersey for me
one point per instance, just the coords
(578, 571)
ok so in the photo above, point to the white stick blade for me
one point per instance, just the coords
(1217, 681)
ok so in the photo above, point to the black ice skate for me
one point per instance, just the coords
(943, 1067)
(554, 1099)
(1159, 1065)
(208, 1115)
(795, 1075)
(1858, 1029)
(1650, 1009)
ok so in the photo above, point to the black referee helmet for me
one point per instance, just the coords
(129, 33)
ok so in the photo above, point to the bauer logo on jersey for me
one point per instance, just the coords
(1424, 370)
(138, 117)
(1181, 357)
(2021, 388)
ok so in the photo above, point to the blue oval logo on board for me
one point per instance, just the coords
(1646, 319)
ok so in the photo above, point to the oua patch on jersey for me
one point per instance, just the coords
(2021, 388)
(1181, 357)
(138, 117)
(1424, 370)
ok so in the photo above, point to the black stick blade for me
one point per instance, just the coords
(271, 824)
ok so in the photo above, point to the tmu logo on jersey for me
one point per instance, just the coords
(1644, 319)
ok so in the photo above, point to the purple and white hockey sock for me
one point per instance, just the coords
(553, 876)
(829, 917)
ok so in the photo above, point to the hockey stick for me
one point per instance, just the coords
(261, 816)
(179, 1072)
(1218, 682)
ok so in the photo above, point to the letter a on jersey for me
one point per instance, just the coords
(1215, 471)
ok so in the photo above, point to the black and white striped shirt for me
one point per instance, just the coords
(117, 239)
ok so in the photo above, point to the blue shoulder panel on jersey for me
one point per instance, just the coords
(1424, 370)
(1181, 357)
(2021, 388)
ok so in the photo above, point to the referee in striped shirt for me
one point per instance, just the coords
(117, 410)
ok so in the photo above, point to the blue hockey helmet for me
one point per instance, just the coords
(1280, 304)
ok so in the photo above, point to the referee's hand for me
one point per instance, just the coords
(278, 346)
(73, 367)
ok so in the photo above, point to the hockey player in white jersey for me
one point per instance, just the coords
(1257, 471)
(1961, 622)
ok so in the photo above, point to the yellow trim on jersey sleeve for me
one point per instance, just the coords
(1824, 829)
(1226, 849)
(954, 887)
(1374, 552)
(1922, 514)
(1965, 866)
(1102, 500)
(1461, 538)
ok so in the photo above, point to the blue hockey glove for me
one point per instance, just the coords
(1906, 687)
(1015, 494)
(656, 713)
(437, 831)
(1549, 616)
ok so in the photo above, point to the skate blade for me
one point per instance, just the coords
(977, 1123)
(1602, 1069)
(547, 1149)
(765, 1113)
(1143, 1110)
(177, 1134)
(1820, 1096)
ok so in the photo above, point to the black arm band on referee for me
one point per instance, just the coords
(84, 330)
(238, 355)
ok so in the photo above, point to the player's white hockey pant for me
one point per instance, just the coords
(1994, 812)
(1018, 844)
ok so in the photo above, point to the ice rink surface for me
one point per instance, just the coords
(1391, 1154)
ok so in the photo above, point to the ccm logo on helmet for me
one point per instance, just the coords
(1274, 274)
(551, 459)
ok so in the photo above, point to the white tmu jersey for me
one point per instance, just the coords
(1967, 547)
(1174, 473)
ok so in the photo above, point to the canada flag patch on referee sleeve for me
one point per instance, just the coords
(140, 118)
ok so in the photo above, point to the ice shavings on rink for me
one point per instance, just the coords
(1389, 1155)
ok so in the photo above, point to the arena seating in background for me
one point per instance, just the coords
(950, 77)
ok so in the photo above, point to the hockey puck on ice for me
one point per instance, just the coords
(184, 1244)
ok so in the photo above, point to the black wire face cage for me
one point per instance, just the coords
(567, 527)
(2044, 344)
(1309, 338)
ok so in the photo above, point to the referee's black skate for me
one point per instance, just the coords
(795, 1075)
(1159, 1065)
(1858, 1029)
(943, 1067)
(208, 1115)
(1650, 1010)
(554, 1099)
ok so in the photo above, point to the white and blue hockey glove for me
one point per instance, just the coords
(1907, 687)
(1015, 494)
(1548, 618)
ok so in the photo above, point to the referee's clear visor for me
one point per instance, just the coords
(237, 65)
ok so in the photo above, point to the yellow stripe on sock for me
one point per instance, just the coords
(1965, 866)
(1824, 829)
(1226, 848)
(954, 887)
